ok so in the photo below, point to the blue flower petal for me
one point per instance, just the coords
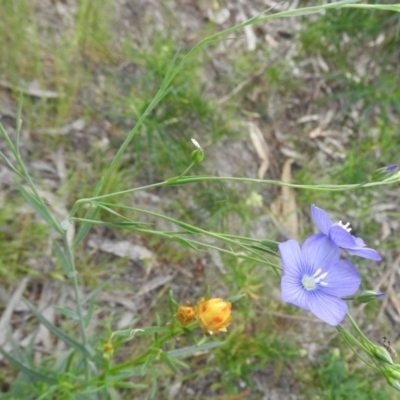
(366, 252)
(359, 242)
(321, 219)
(342, 279)
(291, 257)
(352, 244)
(319, 252)
(342, 238)
(293, 292)
(329, 309)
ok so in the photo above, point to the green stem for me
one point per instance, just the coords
(73, 277)
(189, 227)
(171, 235)
(122, 192)
(144, 355)
(192, 179)
(351, 340)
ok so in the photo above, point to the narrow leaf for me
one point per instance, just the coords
(150, 330)
(67, 312)
(63, 260)
(90, 311)
(40, 208)
(96, 290)
(85, 227)
(187, 351)
(58, 332)
(184, 242)
(164, 357)
(10, 144)
(34, 375)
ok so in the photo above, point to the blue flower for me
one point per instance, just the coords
(339, 233)
(315, 279)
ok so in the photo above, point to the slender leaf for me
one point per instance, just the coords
(21, 356)
(63, 260)
(96, 290)
(85, 227)
(11, 166)
(129, 385)
(90, 311)
(150, 330)
(34, 375)
(265, 250)
(40, 208)
(236, 298)
(67, 312)
(187, 351)
(183, 242)
(10, 144)
(164, 357)
(58, 332)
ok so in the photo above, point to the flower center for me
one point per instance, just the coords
(311, 282)
(308, 282)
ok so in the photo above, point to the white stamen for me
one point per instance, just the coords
(317, 272)
(196, 143)
(319, 278)
(346, 227)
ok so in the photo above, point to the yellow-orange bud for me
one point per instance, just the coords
(185, 314)
(213, 315)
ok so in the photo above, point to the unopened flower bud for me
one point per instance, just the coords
(185, 314)
(391, 168)
(213, 315)
(368, 295)
(108, 350)
(392, 371)
(382, 173)
(394, 383)
(198, 154)
(381, 354)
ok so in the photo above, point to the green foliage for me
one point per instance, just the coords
(333, 380)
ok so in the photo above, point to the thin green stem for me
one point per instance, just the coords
(104, 196)
(350, 339)
(192, 179)
(338, 188)
(9, 142)
(144, 355)
(189, 227)
(73, 276)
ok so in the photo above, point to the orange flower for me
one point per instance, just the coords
(213, 315)
(185, 314)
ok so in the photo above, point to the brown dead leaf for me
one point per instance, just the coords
(32, 89)
(122, 248)
(284, 208)
(261, 148)
(289, 206)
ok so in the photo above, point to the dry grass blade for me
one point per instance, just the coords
(289, 206)
(12, 303)
(261, 148)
